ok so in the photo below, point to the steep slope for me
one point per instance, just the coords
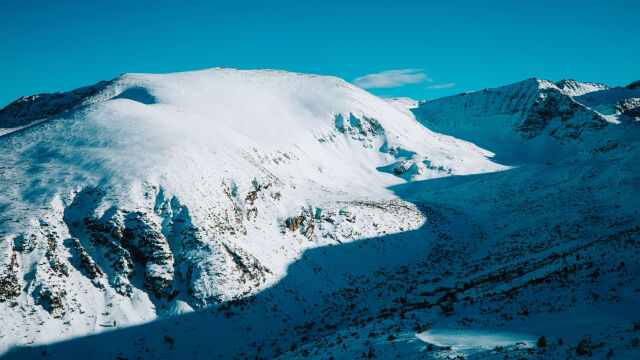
(530, 121)
(156, 195)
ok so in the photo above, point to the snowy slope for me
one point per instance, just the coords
(403, 102)
(158, 194)
(532, 121)
(276, 215)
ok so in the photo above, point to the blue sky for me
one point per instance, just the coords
(424, 49)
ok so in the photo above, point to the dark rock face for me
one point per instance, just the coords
(630, 107)
(99, 234)
(52, 300)
(9, 285)
(150, 247)
(86, 263)
(52, 256)
(120, 239)
(402, 167)
(130, 238)
(359, 128)
(572, 117)
(108, 246)
(304, 223)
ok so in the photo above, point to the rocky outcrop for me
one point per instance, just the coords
(351, 220)
(630, 107)
(361, 128)
(83, 261)
(51, 254)
(560, 115)
(52, 300)
(150, 248)
(9, 285)
(105, 238)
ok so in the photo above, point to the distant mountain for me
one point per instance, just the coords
(265, 214)
(533, 120)
(36, 107)
(618, 104)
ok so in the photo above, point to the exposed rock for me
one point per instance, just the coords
(25, 242)
(293, 223)
(149, 247)
(108, 235)
(630, 107)
(361, 128)
(552, 105)
(9, 285)
(52, 256)
(51, 300)
(86, 263)
(402, 167)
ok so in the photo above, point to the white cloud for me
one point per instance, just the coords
(391, 78)
(441, 86)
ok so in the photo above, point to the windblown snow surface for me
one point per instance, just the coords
(265, 214)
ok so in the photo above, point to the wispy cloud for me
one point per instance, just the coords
(391, 78)
(441, 86)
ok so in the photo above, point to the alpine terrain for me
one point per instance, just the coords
(229, 214)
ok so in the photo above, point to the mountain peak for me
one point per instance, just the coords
(510, 117)
(575, 88)
(634, 85)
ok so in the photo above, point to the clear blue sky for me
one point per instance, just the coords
(61, 45)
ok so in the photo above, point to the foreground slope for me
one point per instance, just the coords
(546, 249)
(156, 195)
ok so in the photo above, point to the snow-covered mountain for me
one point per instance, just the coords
(158, 194)
(533, 120)
(271, 214)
